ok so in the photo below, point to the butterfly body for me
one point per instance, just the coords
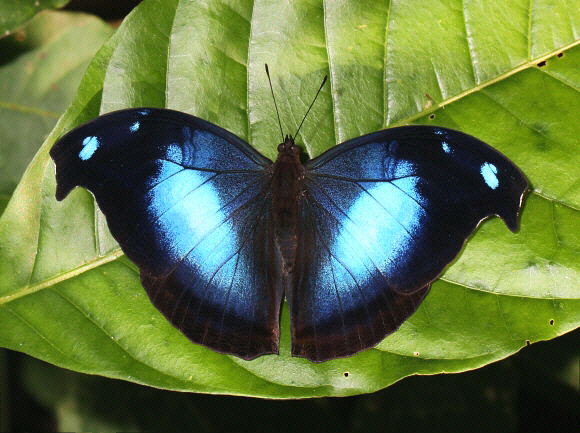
(352, 239)
(286, 190)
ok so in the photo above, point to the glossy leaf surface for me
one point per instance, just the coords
(67, 296)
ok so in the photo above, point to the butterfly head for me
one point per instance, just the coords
(288, 148)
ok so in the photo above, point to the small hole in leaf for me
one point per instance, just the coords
(432, 116)
(543, 63)
(416, 353)
(528, 342)
(346, 374)
(560, 55)
(551, 322)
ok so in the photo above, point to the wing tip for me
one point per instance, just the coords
(61, 155)
(512, 216)
(64, 182)
(61, 192)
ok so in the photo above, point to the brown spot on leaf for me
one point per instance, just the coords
(20, 35)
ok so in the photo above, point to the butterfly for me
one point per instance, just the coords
(352, 239)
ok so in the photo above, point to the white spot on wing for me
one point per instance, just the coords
(489, 171)
(90, 145)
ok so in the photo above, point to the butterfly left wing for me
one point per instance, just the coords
(188, 203)
(382, 215)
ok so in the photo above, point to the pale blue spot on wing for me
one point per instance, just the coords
(90, 145)
(134, 127)
(189, 208)
(446, 147)
(489, 171)
(397, 169)
(174, 153)
(208, 249)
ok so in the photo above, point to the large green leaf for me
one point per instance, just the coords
(14, 13)
(506, 73)
(41, 67)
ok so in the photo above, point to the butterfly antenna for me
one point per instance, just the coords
(308, 111)
(275, 105)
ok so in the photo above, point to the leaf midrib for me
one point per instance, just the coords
(33, 288)
(483, 84)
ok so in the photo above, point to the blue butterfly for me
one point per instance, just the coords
(352, 238)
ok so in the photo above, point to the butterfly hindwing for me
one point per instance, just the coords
(188, 203)
(386, 213)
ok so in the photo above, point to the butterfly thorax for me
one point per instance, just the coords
(286, 192)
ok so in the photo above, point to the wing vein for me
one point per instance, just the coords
(237, 252)
(355, 282)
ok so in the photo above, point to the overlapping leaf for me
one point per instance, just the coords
(15, 13)
(41, 67)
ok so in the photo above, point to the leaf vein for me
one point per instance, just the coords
(111, 337)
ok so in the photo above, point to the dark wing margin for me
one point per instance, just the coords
(188, 203)
(386, 213)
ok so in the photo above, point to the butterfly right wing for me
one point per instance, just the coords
(385, 214)
(188, 203)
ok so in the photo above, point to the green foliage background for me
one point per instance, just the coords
(506, 73)
(14, 13)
